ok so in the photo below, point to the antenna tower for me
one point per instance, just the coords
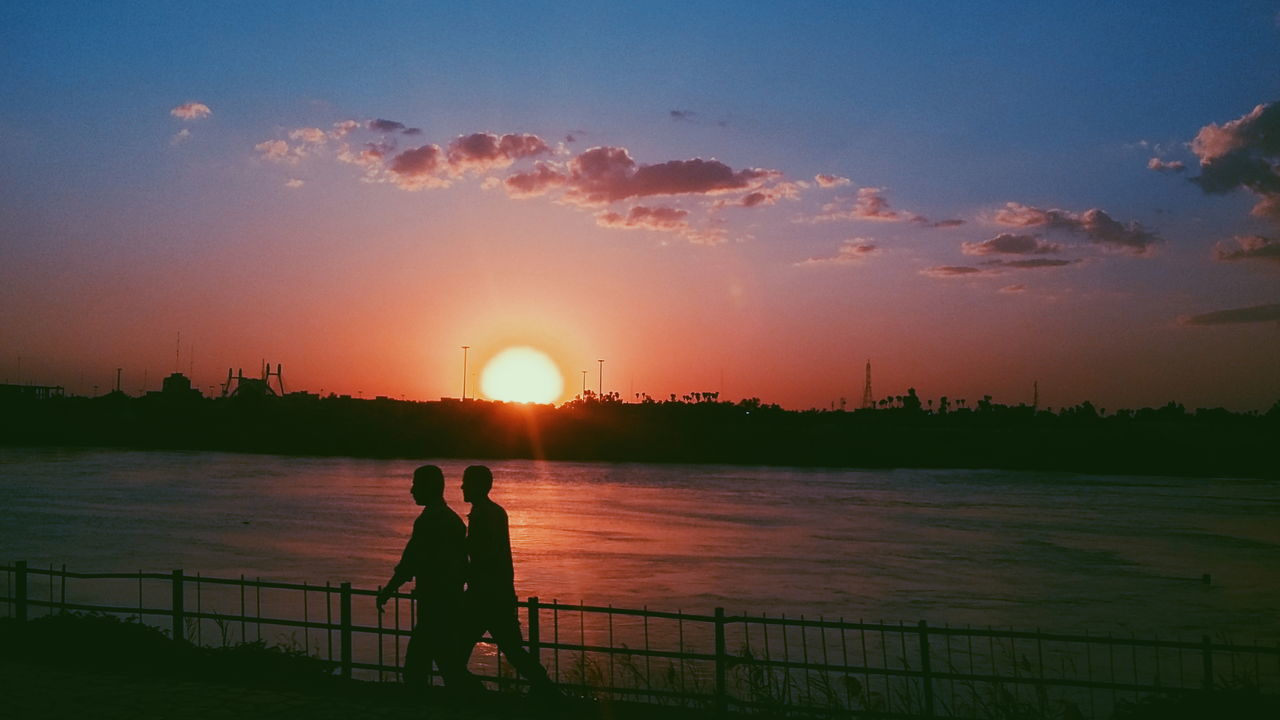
(867, 400)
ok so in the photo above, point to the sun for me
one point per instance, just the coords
(522, 374)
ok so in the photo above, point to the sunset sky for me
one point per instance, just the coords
(748, 198)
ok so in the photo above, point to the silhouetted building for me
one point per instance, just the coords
(30, 392)
(177, 387)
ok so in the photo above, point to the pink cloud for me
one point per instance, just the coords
(1250, 247)
(418, 168)
(1244, 152)
(1010, 244)
(604, 175)
(853, 251)
(1016, 288)
(869, 204)
(830, 181)
(1097, 225)
(479, 152)
(540, 180)
(312, 135)
(950, 271)
(1175, 166)
(191, 111)
(645, 218)
(276, 151)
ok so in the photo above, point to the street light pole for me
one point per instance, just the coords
(464, 372)
(584, 384)
(600, 391)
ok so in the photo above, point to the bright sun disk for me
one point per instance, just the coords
(522, 374)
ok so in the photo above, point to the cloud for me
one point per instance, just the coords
(191, 111)
(1017, 288)
(1244, 152)
(1031, 264)
(1010, 244)
(1253, 314)
(1249, 247)
(869, 204)
(949, 271)
(853, 251)
(603, 175)
(369, 156)
(540, 180)
(419, 168)
(276, 151)
(343, 128)
(830, 181)
(479, 152)
(385, 126)
(1175, 166)
(682, 115)
(180, 137)
(1097, 225)
(954, 222)
(646, 218)
(312, 135)
(294, 183)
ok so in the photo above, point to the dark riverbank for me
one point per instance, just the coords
(1164, 441)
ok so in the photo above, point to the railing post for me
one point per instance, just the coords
(20, 590)
(722, 663)
(176, 606)
(344, 618)
(926, 672)
(1207, 655)
(535, 633)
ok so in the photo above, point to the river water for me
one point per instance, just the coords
(1056, 551)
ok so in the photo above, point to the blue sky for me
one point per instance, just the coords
(120, 230)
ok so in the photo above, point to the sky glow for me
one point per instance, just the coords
(749, 199)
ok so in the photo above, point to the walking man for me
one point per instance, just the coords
(491, 590)
(436, 557)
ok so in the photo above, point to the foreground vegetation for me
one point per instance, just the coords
(104, 644)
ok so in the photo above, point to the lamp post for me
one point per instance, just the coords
(584, 384)
(464, 372)
(600, 390)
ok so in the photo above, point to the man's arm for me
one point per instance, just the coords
(403, 571)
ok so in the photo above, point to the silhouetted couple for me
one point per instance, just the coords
(442, 556)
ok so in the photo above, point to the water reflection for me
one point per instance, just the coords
(1012, 549)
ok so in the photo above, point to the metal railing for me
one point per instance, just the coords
(804, 666)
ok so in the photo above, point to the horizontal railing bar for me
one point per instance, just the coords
(604, 609)
(556, 606)
(604, 649)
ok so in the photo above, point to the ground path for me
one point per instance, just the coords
(58, 693)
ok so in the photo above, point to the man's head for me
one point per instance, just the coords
(428, 485)
(476, 483)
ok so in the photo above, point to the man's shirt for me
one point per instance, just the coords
(436, 554)
(491, 571)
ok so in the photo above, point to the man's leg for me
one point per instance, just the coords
(451, 643)
(504, 627)
(417, 657)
